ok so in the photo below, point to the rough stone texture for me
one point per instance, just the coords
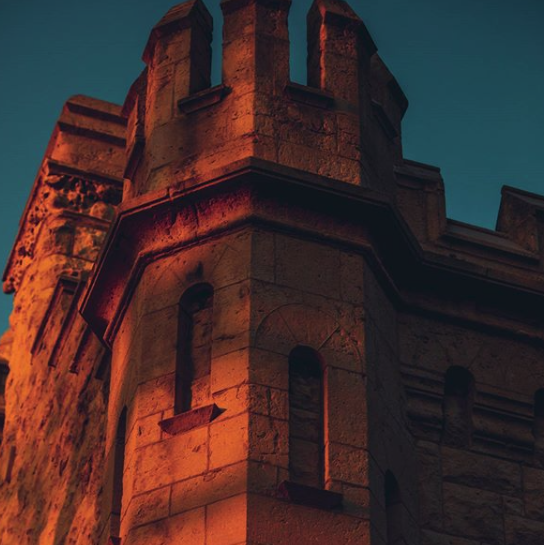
(295, 204)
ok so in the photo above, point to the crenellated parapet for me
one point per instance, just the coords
(350, 109)
(521, 219)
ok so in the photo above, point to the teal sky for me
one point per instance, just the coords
(473, 71)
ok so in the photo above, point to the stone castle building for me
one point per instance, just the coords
(241, 316)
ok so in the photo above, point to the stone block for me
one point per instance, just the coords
(229, 441)
(428, 537)
(356, 499)
(269, 369)
(229, 370)
(269, 440)
(268, 401)
(185, 529)
(429, 485)
(307, 266)
(226, 521)
(155, 395)
(464, 467)
(533, 493)
(173, 459)
(347, 464)
(346, 402)
(231, 319)
(275, 521)
(147, 430)
(473, 513)
(158, 337)
(233, 401)
(209, 488)
(262, 256)
(148, 507)
(264, 478)
(523, 531)
(343, 351)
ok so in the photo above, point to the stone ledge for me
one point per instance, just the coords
(309, 95)
(310, 496)
(186, 421)
(203, 99)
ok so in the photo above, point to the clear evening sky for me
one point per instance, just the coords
(473, 71)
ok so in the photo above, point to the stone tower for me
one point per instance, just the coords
(282, 339)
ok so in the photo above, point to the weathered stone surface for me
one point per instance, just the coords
(520, 530)
(430, 486)
(473, 513)
(533, 488)
(467, 468)
(293, 205)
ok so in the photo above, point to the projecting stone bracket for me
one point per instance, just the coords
(186, 421)
(310, 496)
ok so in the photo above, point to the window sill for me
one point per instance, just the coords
(309, 95)
(203, 99)
(186, 421)
(308, 495)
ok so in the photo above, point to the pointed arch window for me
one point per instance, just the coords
(118, 470)
(457, 407)
(194, 348)
(306, 418)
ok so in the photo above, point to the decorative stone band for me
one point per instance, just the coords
(57, 192)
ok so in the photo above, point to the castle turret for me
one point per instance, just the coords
(226, 310)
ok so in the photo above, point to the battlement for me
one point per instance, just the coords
(351, 109)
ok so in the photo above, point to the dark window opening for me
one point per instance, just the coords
(393, 510)
(306, 433)
(118, 469)
(194, 348)
(4, 371)
(538, 424)
(457, 407)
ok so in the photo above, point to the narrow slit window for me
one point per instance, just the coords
(393, 510)
(118, 470)
(457, 407)
(194, 348)
(538, 423)
(306, 422)
(4, 371)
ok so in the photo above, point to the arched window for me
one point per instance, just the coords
(118, 469)
(194, 348)
(4, 370)
(306, 427)
(538, 423)
(393, 510)
(457, 407)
